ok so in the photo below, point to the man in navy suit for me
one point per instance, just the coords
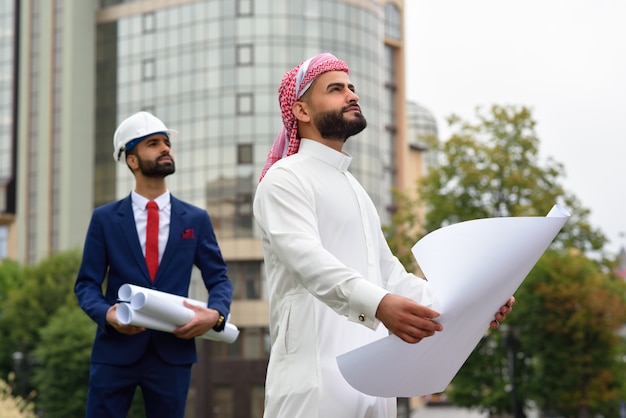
(125, 357)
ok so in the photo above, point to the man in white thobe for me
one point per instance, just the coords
(331, 275)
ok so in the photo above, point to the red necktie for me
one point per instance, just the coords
(152, 238)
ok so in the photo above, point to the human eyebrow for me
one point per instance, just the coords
(156, 139)
(340, 86)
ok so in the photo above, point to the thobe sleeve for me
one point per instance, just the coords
(285, 211)
(398, 281)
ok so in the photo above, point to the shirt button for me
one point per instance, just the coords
(362, 317)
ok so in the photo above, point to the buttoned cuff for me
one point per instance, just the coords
(364, 302)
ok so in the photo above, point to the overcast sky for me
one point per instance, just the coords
(564, 59)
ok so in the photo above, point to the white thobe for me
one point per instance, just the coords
(325, 259)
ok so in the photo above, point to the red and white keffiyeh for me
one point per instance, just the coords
(293, 85)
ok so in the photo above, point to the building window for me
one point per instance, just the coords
(4, 237)
(245, 104)
(243, 221)
(245, 55)
(244, 154)
(392, 21)
(148, 69)
(246, 277)
(223, 400)
(258, 399)
(245, 7)
(251, 344)
(147, 23)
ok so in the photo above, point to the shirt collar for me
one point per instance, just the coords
(163, 200)
(340, 160)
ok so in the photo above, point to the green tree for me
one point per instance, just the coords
(402, 233)
(563, 342)
(43, 288)
(569, 323)
(62, 372)
(10, 273)
(10, 278)
(40, 318)
(492, 168)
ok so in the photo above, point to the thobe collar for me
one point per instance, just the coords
(339, 160)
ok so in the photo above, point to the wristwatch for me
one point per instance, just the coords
(220, 324)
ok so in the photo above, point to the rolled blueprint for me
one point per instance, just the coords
(127, 291)
(161, 311)
(127, 316)
(161, 307)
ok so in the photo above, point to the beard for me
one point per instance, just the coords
(155, 169)
(333, 124)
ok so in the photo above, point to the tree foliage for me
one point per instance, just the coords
(10, 273)
(40, 318)
(563, 341)
(572, 314)
(43, 288)
(561, 350)
(402, 233)
(62, 375)
(36, 294)
(492, 168)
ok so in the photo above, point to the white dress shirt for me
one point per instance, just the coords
(326, 259)
(141, 219)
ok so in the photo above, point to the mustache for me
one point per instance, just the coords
(165, 156)
(351, 106)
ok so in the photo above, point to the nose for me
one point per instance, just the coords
(352, 97)
(165, 147)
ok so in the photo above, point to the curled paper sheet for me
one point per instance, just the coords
(162, 311)
(473, 268)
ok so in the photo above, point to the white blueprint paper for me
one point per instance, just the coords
(161, 307)
(163, 312)
(473, 268)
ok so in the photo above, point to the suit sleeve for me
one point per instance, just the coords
(209, 260)
(93, 268)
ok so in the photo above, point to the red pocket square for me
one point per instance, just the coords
(187, 234)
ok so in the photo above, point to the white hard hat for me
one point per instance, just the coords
(134, 129)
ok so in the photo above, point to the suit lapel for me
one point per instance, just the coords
(177, 217)
(129, 230)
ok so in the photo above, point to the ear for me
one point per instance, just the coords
(132, 162)
(301, 111)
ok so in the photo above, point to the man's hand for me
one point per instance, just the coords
(407, 319)
(502, 313)
(111, 319)
(204, 320)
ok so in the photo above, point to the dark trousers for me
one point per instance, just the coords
(164, 388)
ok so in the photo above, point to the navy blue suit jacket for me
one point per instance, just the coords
(112, 251)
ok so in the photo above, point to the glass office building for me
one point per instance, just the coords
(421, 126)
(209, 69)
(8, 145)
